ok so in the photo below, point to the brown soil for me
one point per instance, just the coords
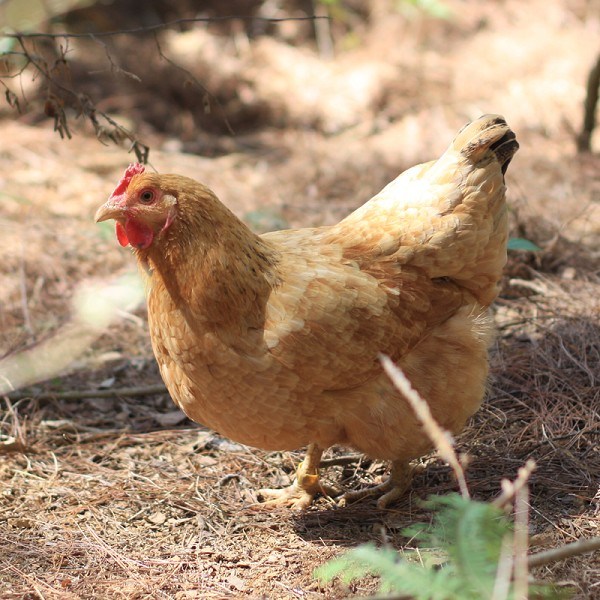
(120, 496)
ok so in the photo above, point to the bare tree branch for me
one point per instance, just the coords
(162, 26)
(589, 113)
(60, 96)
(582, 546)
(145, 390)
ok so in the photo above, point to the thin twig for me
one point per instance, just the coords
(521, 541)
(504, 569)
(569, 551)
(80, 101)
(529, 285)
(161, 26)
(340, 461)
(323, 31)
(205, 91)
(23, 289)
(143, 390)
(442, 439)
(510, 488)
(16, 440)
(589, 114)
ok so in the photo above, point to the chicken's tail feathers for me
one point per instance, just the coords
(487, 133)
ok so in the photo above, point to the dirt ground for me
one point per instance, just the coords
(109, 494)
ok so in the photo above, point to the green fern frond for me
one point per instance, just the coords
(458, 556)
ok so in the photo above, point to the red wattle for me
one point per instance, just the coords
(138, 234)
(121, 234)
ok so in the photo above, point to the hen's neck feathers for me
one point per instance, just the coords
(215, 269)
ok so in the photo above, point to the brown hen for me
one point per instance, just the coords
(274, 340)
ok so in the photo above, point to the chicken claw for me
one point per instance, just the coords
(391, 489)
(302, 492)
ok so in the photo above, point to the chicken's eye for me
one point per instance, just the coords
(147, 196)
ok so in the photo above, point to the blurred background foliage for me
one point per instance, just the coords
(29, 15)
(172, 72)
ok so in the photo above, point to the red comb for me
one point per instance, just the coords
(132, 169)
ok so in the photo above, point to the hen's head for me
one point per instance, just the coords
(147, 205)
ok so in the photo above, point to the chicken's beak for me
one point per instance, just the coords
(109, 210)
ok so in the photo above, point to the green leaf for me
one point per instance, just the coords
(7, 44)
(522, 244)
(432, 8)
(397, 575)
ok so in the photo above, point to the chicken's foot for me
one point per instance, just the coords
(391, 489)
(306, 486)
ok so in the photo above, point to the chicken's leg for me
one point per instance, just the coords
(306, 486)
(391, 489)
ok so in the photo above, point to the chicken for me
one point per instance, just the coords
(274, 340)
